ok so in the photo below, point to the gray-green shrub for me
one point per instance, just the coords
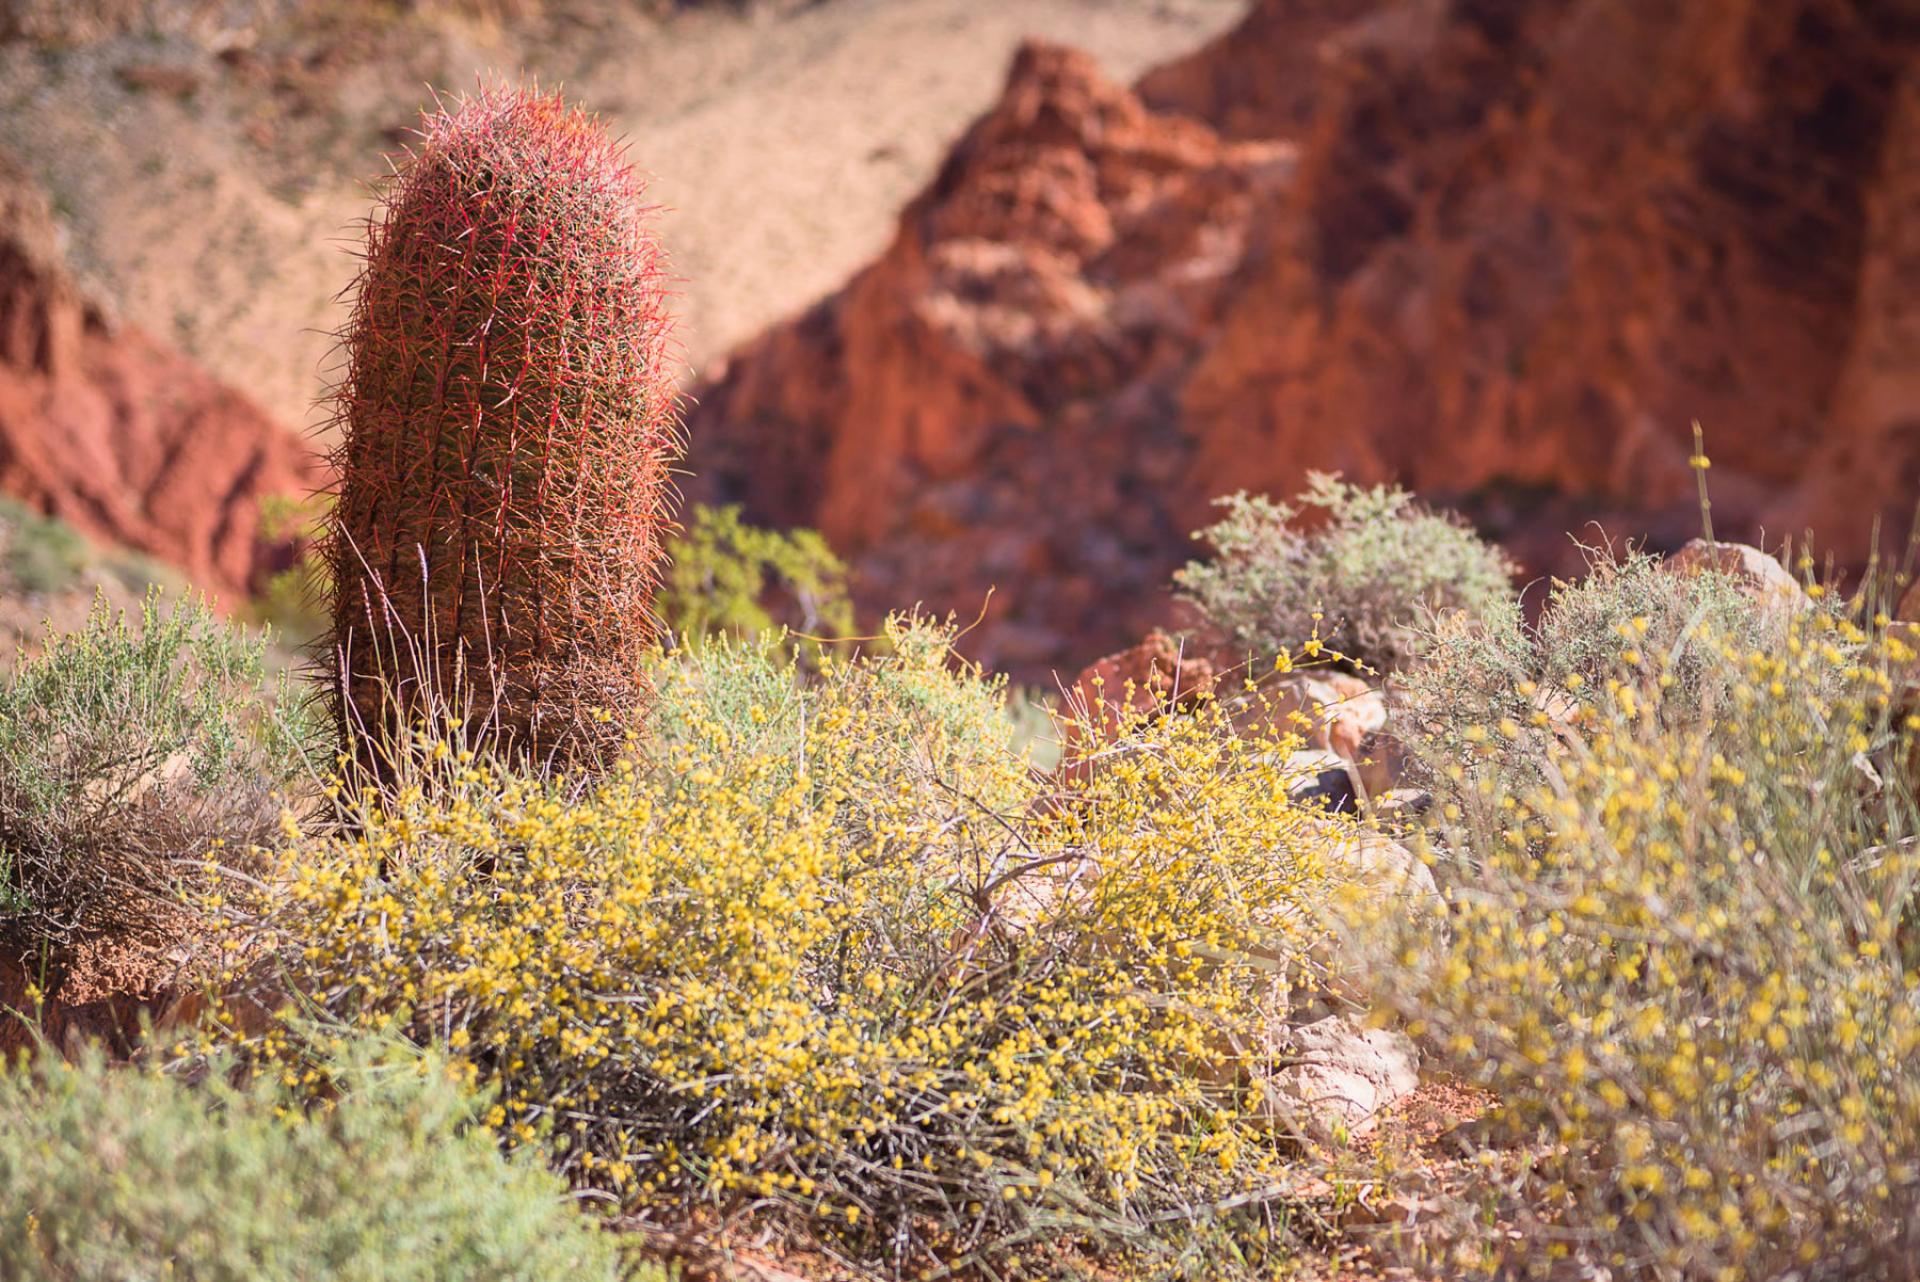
(1477, 676)
(1682, 954)
(127, 747)
(125, 1174)
(1364, 569)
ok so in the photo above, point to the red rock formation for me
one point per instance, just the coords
(991, 404)
(1530, 243)
(1503, 252)
(122, 437)
(1265, 78)
(1110, 693)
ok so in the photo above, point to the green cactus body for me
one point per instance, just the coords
(507, 417)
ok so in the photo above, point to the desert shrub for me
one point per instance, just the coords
(728, 577)
(129, 749)
(43, 554)
(110, 1174)
(824, 951)
(947, 728)
(1497, 676)
(1685, 963)
(1361, 568)
(1638, 603)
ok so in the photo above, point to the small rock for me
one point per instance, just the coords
(1382, 864)
(1154, 675)
(1394, 883)
(1764, 577)
(1332, 1077)
(1403, 803)
(1332, 711)
(1317, 775)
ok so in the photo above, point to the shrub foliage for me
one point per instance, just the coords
(1526, 683)
(726, 577)
(1362, 569)
(829, 950)
(109, 1174)
(129, 750)
(1684, 952)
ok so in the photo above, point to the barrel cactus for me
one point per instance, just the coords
(506, 418)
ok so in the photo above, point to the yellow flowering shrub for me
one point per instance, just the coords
(827, 949)
(1687, 966)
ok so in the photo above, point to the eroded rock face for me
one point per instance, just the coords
(1266, 77)
(119, 435)
(1504, 253)
(992, 404)
(1530, 243)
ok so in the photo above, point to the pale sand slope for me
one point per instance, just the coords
(784, 146)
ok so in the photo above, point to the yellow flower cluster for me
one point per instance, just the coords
(828, 944)
(1686, 966)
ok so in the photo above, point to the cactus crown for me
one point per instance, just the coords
(506, 420)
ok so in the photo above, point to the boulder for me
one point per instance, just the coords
(1381, 865)
(1322, 778)
(1369, 878)
(1331, 1078)
(1403, 803)
(1333, 711)
(1156, 675)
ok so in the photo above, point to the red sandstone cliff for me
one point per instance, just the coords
(1504, 252)
(119, 435)
(1531, 242)
(994, 402)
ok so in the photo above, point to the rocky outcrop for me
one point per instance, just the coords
(123, 437)
(1266, 78)
(992, 403)
(1110, 694)
(1504, 253)
(1772, 587)
(1530, 243)
(1336, 719)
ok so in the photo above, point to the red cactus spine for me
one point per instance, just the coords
(507, 417)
